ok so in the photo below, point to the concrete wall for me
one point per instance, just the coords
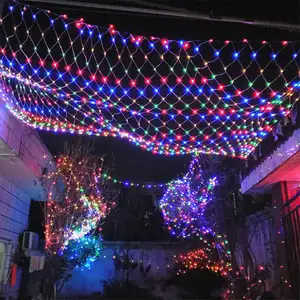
(281, 165)
(161, 258)
(14, 211)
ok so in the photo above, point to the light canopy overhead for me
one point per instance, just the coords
(167, 96)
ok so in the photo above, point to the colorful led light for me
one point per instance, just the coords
(213, 254)
(82, 252)
(184, 203)
(75, 203)
(203, 259)
(169, 97)
(128, 183)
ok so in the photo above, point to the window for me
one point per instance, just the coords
(2, 261)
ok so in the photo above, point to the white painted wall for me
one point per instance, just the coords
(85, 282)
(256, 180)
(22, 154)
(22, 159)
(14, 211)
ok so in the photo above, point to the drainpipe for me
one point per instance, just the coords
(7, 264)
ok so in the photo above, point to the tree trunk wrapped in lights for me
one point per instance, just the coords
(78, 201)
(76, 204)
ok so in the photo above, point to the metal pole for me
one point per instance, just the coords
(1, 7)
(156, 5)
(174, 14)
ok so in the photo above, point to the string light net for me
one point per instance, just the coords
(184, 203)
(167, 96)
(75, 203)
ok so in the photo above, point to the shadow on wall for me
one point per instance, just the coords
(86, 282)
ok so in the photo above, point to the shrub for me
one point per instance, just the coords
(125, 290)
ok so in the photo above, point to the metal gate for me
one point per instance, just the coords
(291, 226)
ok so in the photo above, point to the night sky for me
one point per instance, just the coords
(129, 162)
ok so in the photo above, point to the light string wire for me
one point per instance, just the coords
(169, 97)
(129, 183)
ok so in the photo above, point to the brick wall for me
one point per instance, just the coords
(14, 211)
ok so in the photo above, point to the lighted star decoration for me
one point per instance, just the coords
(184, 203)
(167, 96)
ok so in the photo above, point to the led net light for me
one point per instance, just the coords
(169, 97)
